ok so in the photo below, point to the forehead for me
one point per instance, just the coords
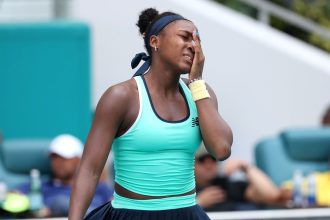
(182, 25)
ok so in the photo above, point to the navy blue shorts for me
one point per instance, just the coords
(106, 211)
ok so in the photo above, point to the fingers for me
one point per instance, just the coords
(196, 37)
(198, 61)
(212, 195)
(197, 46)
(214, 191)
(196, 42)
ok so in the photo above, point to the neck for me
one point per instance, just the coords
(162, 79)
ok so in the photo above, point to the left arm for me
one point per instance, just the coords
(216, 133)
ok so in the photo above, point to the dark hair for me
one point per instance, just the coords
(146, 19)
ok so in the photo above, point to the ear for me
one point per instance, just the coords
(154, 41)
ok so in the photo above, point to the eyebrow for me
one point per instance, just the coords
(188, 32)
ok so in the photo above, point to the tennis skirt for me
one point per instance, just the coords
(106, 211)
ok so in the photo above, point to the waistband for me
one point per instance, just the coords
(153, 204)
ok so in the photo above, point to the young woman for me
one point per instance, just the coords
(154, 123)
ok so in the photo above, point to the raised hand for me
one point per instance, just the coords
(199, 58)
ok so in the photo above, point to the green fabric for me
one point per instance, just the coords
(44, 80)
(155, 157)
(154, 204)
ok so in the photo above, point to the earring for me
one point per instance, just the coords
(156, 48)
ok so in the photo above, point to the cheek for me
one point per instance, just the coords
(173, 46)
(57, 164)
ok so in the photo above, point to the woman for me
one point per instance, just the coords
(154, 127)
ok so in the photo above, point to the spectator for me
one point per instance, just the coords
(239, 186)
(65, 152)
(326, 118)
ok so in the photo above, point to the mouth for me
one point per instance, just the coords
(189, 58)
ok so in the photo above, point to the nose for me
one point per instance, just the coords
(191, 46)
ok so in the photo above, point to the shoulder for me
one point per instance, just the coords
(118, 96)
(121, 91)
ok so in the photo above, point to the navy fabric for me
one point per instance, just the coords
(161, 23)
(56, 196)
(137, 59)
(108, 212)
(154, 30)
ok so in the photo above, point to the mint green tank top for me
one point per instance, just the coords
(155, 157)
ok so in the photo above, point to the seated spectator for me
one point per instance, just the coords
(239, 186)
(65, 152)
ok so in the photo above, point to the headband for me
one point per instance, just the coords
(154, 30)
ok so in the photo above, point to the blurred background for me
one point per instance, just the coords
(267, 61)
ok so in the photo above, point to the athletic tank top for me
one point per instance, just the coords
(155, 157)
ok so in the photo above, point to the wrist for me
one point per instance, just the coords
(193, 79)
(198, 90)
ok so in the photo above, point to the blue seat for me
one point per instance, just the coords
(302, 149)
(19, 156)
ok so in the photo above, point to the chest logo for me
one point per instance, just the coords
(194, 122)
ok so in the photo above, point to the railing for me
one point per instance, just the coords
(27, 10)
(267, 8)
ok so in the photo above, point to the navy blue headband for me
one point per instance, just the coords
(154, 30)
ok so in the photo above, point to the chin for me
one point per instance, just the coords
(185, 69)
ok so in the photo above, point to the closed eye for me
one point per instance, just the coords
(185, 37)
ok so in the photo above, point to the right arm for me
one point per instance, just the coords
(109, 115)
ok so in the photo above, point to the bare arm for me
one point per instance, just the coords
(109, 114)
(261, 189)
(217, 135)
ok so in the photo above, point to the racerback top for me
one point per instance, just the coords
(155, 157)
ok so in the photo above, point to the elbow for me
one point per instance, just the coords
(220, 145)
(222, 151)
(223, 148)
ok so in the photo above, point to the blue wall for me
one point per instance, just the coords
(45, 80)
